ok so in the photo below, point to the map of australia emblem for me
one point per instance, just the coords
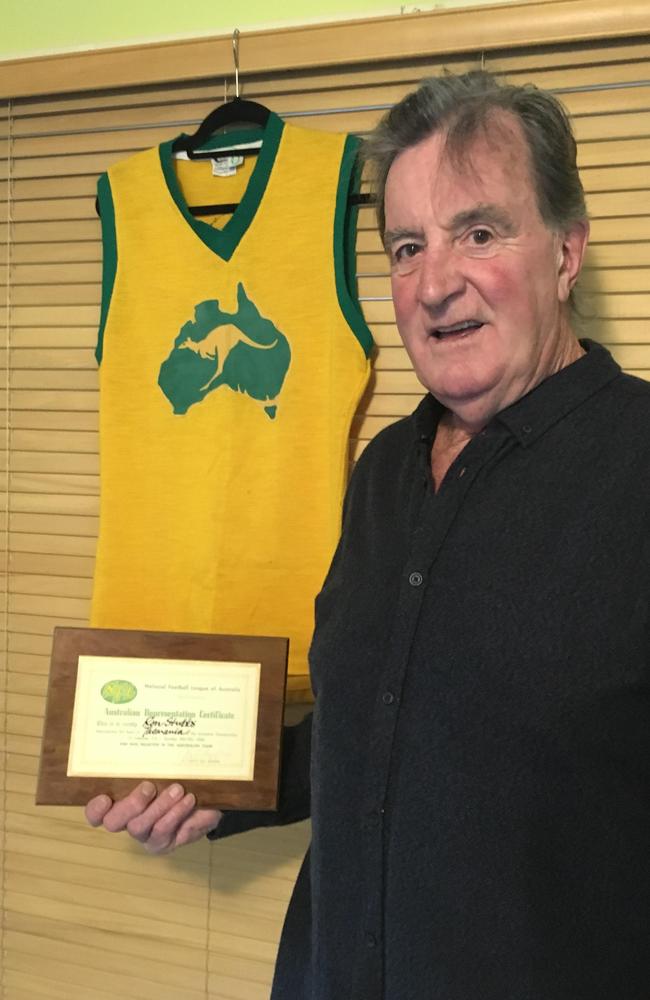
(241, 351)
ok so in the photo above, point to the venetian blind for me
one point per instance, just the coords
(88, 916)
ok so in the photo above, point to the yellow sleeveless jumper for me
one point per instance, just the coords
(233, 354)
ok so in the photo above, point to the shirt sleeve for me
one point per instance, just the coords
(294, 799)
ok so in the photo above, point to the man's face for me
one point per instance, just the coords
(479, 282)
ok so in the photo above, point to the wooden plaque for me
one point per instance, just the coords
(128, 705)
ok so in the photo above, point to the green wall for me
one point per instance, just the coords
(36, 27)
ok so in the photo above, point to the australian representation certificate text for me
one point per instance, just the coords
(164, 718)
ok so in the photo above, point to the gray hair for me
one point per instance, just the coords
(467, 105)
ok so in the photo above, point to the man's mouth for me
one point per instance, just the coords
(456, 330)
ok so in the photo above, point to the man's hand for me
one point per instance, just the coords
(161, 823)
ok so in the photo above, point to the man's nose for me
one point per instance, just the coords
(441, 278)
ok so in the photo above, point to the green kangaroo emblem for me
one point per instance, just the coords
(240, 350)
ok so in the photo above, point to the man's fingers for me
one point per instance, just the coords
(141, 824)
(162, 838)
(159, 822)
(157, 826)
(97, 808)
(197, 826)
(124, 810)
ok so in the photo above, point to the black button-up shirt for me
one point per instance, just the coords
(480, 755)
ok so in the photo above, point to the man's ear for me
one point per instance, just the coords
(572, 244)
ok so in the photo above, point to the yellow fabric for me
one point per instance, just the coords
(224, 518)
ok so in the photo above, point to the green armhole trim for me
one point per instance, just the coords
(109, 262)
(345, 232)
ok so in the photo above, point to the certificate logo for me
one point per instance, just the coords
(119, 692)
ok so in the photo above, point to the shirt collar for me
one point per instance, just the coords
(532, 415)
(555, 397)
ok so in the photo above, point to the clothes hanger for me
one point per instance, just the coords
(238, 111)
(235, 112)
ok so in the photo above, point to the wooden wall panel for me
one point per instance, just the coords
(204, 924)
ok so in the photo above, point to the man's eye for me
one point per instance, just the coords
(480, 237)
(405, 251)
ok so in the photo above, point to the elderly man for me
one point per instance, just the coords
(480, 753)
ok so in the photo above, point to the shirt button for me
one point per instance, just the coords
(415, 579)
(388, 698)
(371, 940)
(374, 817)
(526, 428)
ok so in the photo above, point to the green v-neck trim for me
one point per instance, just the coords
(225, 241)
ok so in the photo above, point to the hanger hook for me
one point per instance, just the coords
(235, 55)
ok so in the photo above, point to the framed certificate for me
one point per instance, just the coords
(125, 705)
